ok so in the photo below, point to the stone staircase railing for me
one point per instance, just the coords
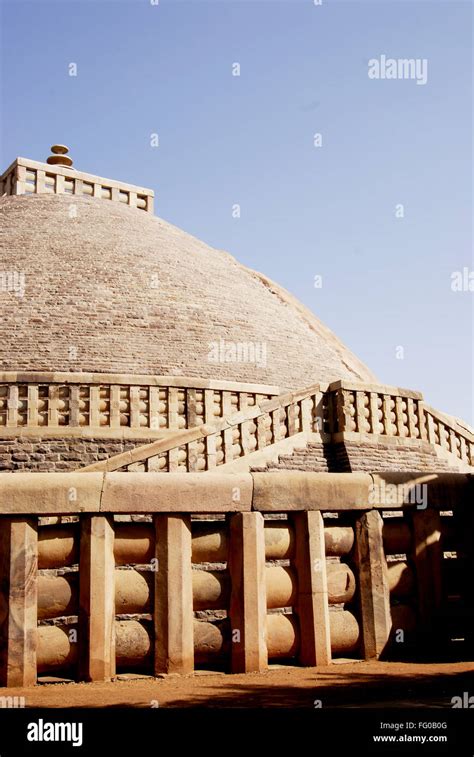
(207, 446)
(341, 411)
(393, 412)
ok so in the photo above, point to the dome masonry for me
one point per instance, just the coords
(99, 286)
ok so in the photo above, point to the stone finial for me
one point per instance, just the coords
(59, 157)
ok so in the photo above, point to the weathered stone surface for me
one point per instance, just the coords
(374, 592)
(291, 490)
(440, 490)
(211, 641)
(58, 546)
(69, 454)
(339, 540)
(56, 651)
(345, 632)
(427, 555)
(313, 595)
(133, 592)
(372, 454)
(97, 599)
(210, 542)
(173, 611)
(279, 541)
(134, 544)
(45, 493)
(281, 586)
(283, 636)
(58, 595)
(18, 601)
(176, 492)
(211, 589)
(341, 583)
(248, 598)
(134, 647)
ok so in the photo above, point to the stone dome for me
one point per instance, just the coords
(109, 288)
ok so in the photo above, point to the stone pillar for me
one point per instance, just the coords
(248, 604)
(97, 599)
(374, 591)
(427, 555)
(18, 601)
(173, 611)
(312, 603)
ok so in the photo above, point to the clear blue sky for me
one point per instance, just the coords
(305, 211)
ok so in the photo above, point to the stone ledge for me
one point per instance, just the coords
(275, 491)
(296, 490)
(45, 493)
(76, 377)
(176, 492)
(358, 386)
(443, 490)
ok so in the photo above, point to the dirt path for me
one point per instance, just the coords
(370, 684)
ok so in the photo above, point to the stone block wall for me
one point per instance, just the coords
(70, 454)
(345, 457)
(21, 453)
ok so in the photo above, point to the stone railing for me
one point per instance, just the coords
(286, 566)
(341, 412)
(302, 414)
(199, 425)
(26, 176)
(116, 406)
(449, 435)
(360, 409)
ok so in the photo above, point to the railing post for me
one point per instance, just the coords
(173, 611)
(422, 419)
(306, 414)
(374, 590)
(97, 598)
(427, 555)
(400, 423)
(248, 604)
(387, 415)
(411, 413)
(375, 424)
(228, 432)
(312, 603)
(18, 601)
(361, 422)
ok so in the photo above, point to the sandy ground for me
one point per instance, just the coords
(351, 684)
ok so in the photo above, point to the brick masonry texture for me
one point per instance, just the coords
(113, 289)
(57, 454)
(71, 454)
(346, 457)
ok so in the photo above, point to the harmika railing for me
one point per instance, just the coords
(26, 176)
